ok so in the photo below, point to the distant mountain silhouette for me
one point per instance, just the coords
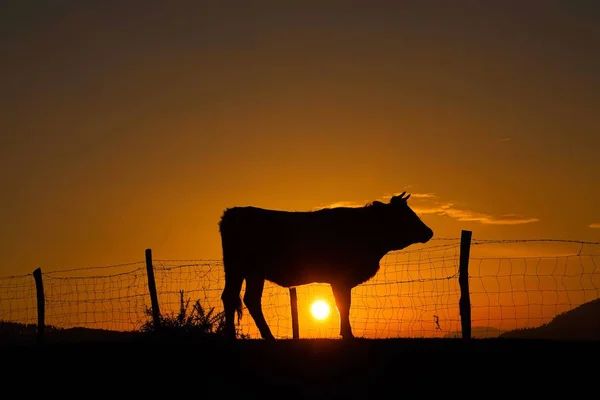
(580, 323)
(18, 333)
(479, 332)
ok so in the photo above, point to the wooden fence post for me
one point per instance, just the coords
(294, 307)
(41, 305)
(463, 280)
(152, 289)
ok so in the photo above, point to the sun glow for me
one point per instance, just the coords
(320, 309)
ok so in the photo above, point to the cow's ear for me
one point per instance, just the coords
(399, 199)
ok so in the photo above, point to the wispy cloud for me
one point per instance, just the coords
(387, 197)
(428, 203)
(340, 204)
(465, 215)
(504, 139)
(422, 195)
(384, 198)
(595, 225)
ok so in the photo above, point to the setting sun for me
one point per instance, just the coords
(320, 309)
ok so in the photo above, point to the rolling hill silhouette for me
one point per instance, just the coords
(19, 333)
(479, 332)
(580, 323)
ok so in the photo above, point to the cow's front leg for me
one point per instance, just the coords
(343, 299)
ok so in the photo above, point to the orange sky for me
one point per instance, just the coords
(128, 127)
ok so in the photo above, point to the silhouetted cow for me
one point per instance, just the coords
(341, 246)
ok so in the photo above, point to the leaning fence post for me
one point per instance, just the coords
(294, 307)
(463, 281)
(41, 305)
(152, 289)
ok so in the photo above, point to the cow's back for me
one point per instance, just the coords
(289, 247)
(252, 228)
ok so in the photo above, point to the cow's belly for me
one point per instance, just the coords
(296, 273)
(303, 274)
(302, 264)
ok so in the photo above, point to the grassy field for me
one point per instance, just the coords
(313, 368)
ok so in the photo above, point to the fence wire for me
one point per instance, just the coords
(514, 284)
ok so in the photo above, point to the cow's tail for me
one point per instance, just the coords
(238, 309)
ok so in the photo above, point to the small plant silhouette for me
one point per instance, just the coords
(436, 319)
(195, 323)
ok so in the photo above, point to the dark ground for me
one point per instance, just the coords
(306, 368)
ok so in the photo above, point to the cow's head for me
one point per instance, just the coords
(402, 225)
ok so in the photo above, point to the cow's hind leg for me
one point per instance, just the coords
(253, 300)
(232, 302)
(343, 297)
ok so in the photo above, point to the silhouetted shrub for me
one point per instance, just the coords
(196, 322)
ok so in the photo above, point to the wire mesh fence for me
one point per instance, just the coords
(522, 284)
(513, 285)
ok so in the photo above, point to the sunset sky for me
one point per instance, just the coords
(133, 125)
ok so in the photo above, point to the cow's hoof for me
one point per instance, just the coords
(347, 335)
